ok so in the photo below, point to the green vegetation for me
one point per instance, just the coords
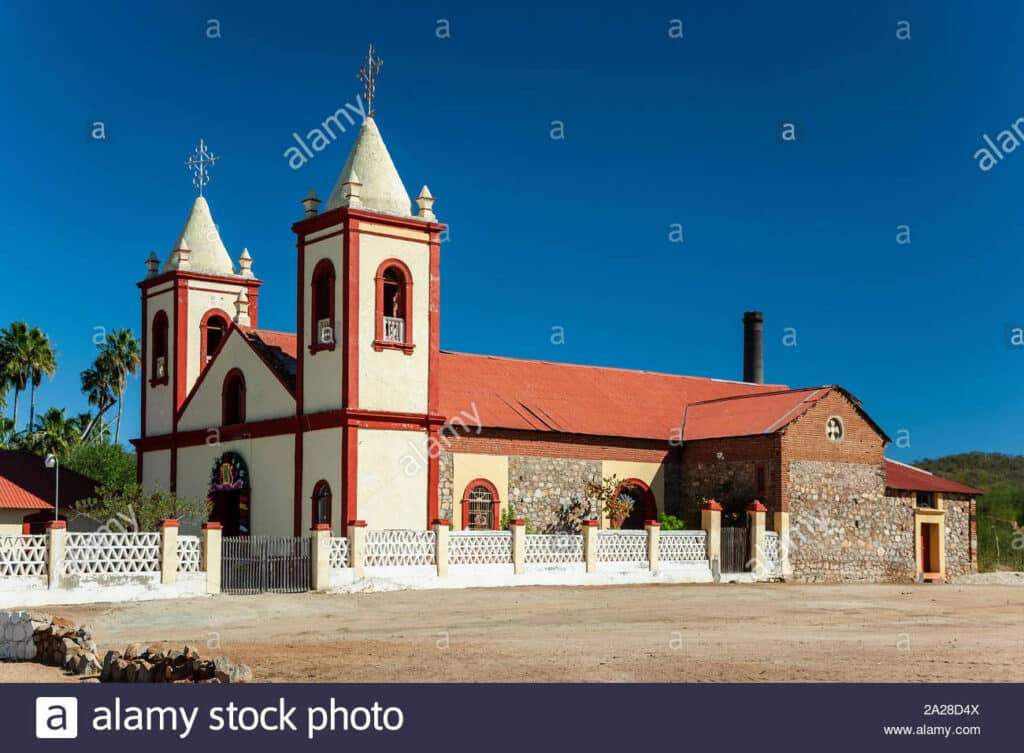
(1000, 510)
(133, 508)
(671, 523)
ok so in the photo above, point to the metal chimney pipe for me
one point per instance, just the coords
(753, 347)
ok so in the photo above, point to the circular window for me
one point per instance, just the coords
(834, 429)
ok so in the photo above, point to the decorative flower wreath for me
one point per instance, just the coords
(229, 473)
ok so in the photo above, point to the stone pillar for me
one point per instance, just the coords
(589, 531)
(357, 547)
(755, 524)
(56, 530)
(518, 528)
(782, 528)
(320, 556)
(211, 556)
(441, 546)
(653, 534)
(169, 552)
(711, 522)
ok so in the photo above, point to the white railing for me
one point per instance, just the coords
(111, 553)
(772, 561)
(394, 329)
(22, 555)
(188, 554)
(554, 547)
(622, 546)
(480, 547)
(337, 557)
(399, 547)
(683, 546)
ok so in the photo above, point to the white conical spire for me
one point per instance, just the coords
(382, 189)
(200, 235)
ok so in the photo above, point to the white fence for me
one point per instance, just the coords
(683, 546)
(773, 562)
(399, 548)
(621, 546)
(554, 548)
(188, 554)
(480, 548)
(338, 556)
(22, 556)
(112, 553)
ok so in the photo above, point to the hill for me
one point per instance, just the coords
(1000, 510)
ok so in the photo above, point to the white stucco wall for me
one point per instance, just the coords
(265, 396)
(468, 467)
(391, 380)
(156, 469)
(202, 297)
(159, 398)
(321, 459)
(322, 371)
(271, 462)
(392, 493)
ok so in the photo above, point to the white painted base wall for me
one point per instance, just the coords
(29, 592)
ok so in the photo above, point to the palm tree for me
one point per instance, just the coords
(124, 354)
(40, 359)
(98, 386)
(13, 344)
(53, 432)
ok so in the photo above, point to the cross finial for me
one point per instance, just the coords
(368, 75)
(198, 163)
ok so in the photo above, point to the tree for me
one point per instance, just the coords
(40, 360)
(13, 343)
(53, 432)
(122, 356)
(137, 509)
(110, 465)
(98, 386)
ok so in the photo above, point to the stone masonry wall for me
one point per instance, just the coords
(958, 536)
(539, 486)
(844, 528)
(446, 484)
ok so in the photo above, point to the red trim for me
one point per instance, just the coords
(177, 274)
(495, 502)
(321, 527)
(57, 524)
(173, 483)
(756, 506)
(212, 525)
(652, 524)
(589, 523)
(358, 523)
(169, 523)
(26, 528)
(520, 522)
(647, 496)
(379, 343)
(434, 307)
(158, 347)
(440, 522)
(324, 267)
(204, 327)
(350, 367)
(711, 505)
(349, 473)
(325, 220)
(300, 359)
(180, 344)
(433, 472)
(254, 305)
(230, 379)
(317, 489)
(145, 392)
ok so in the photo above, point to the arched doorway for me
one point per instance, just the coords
(230, 495)
(644, 506)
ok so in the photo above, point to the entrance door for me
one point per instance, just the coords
(226, 511)
(929, 553)
(735, 543)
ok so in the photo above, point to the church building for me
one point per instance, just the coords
(360, 415)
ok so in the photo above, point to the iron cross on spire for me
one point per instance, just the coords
(368, 75)
(197, 164)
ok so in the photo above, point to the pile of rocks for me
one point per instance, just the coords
(62, 643)
(17, 630)
(157, 664)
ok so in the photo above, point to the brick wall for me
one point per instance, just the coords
(726, 470)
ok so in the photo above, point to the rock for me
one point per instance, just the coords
(240, 673)
(118, 670)
(131, 671)
(190, 652)
(221, 664)
(108, 665)
(132, 651)
(144, 671)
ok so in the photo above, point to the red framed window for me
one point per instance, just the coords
(160, 367)
(481, 507)
(233, 398)
(321, 299)
(212, 330)
(322, 498)
(393, 313)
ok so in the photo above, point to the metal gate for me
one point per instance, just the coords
(256, 564)
(735, 545)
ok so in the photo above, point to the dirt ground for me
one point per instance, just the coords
(656, 633)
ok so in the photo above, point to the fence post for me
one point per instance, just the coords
(320, 556)
(169, 552)
(357, 546)
(653, 535)
(782, 528)
(441, 546)
(518, 529)
(211, 556)
(589, 531)
(711, 522)
(755, 516)
(56, 531)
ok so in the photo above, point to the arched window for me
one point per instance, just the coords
(321, 307)
(321, 503)
(393, 318)
(159, 367)
(481, 506)
(233, 398)
(212, 330)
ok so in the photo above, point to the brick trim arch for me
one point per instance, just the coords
(159, 348)
(379, 343)
(650, 505)
(318, 489)
(323, 269)
(204, 331)
(495, 502)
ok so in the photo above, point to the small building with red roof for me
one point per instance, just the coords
(27, 489)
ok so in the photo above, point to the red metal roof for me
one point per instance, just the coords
(749, 414)
(13, 497)
(907, 477)
(25, 482)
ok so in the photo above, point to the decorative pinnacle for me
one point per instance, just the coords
(368, 75)
(197, 165)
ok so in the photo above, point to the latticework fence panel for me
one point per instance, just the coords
(773, 562)
(188, 554)
(111, 553)
(554, 548)
(480, 547)
(621, 546)
(682, 546)
(399, 548)
(22, 555)
(338, 554)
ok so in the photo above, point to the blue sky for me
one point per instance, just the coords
(569, 233)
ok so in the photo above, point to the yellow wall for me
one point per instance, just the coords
(652, 474)
(392, 492)
(322, 371)
(466, 468)
(321, 459)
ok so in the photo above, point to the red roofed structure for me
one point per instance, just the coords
(27, 490)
